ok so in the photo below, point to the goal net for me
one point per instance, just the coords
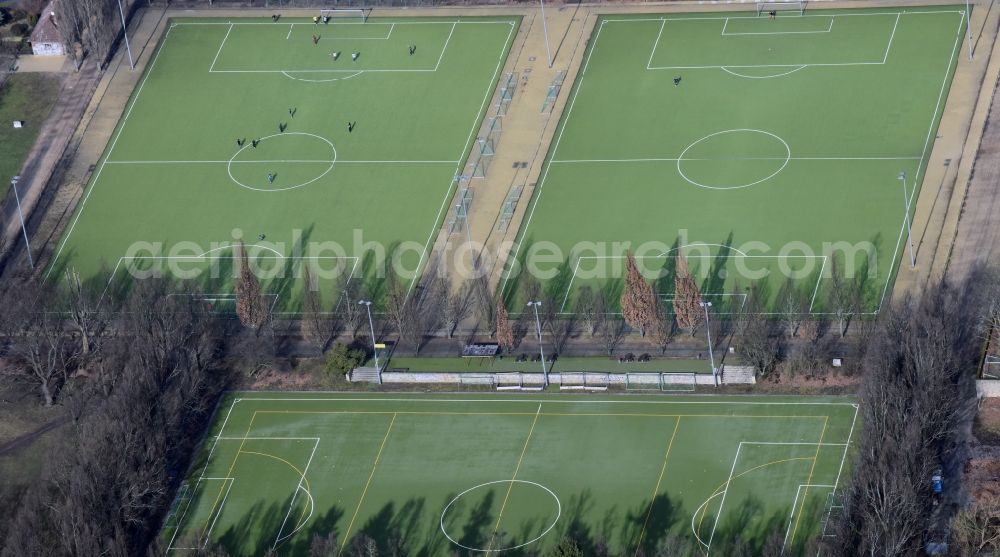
(476, 379)
(357, 14)
(781, 6)
(678, 382)
(519, 381)
(584, 381)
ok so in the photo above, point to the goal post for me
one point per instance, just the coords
(357, 14)
(781, 6)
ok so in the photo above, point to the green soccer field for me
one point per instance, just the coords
(761, 149)
(174, 191)
(488, 472)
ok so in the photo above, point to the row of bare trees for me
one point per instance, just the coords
(917, 401)
(145, 381)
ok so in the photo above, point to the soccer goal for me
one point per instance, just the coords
(476, 380)
(519, 381)
(359, 15)
(584, 381)
(781, 6)
(678, 382)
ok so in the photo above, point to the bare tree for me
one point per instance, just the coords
(455, 304)
(586, 309)
(85, 311)
(845, 297)
(976, 528)
(348, 294)
(687, 298)
(44, 353)
(793, 305)
(610, 328)
(316, 327)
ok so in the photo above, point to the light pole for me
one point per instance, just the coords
(541, 350)
(371, 325)
(125, 32)
(24, 230)
(545, 29)
(968, 26)
(906, 219)
(464, 206)
(708, 331)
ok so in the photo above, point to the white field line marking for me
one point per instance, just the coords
(180, 520)
(291, 503)
(565, 161)
(316, 439)
(649, 65)
(722, 504)
(737, 74)
(719, 18)
(279, 161)
(847, 445)
(193, 258)
(290, 27)
(465, 148)
(554, 400)
(235, 23)
(445, 47)
(827, 30)
(218, 513)
(822, 268)
(791, 443)
(221, 45)
(709, 257)
(795, 503)
(541, 181)
(925, 154)
(656, 43)
(121, 127)
(891, 36)
(217, 437)
(723, 33)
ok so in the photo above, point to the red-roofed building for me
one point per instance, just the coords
(46, 40)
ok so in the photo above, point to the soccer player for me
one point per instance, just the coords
(261, 236)
(240, 142)
(315, 39)
(326, 20)
(335, 55)
(315, 19)
(350, 126)
(773, 14)
(274, 17)
(254, 142)
(354, 56)
(282, 126)
(677, 81)
(413, 48)
(292, 111)
(270, 180)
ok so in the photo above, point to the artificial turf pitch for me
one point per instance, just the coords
(174, 192)
(488, 472)
(776, 152)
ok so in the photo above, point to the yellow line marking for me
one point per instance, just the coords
(302, 476)
(656, 489)
(347, 533)
(802, 505)
(517, 468)
(229, 474)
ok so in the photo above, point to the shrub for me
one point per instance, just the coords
(343, 358)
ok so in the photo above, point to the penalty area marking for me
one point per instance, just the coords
(512, 482)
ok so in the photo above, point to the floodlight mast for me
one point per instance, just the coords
(128, 48)
(541, 349)
(906, 218)
(20, 214)
(371, 325)
(708, 331)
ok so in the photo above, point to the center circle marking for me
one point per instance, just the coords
(531, 541)
(680, 160)
(333, 161)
